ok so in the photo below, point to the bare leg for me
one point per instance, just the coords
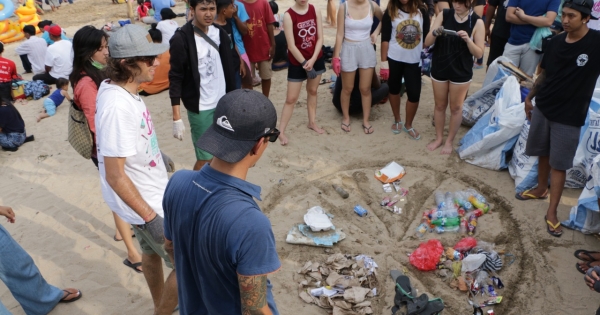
(42, 116)
(168, 299)
(293, 91)
(347, 87)
(440, 95)
(311, 103)
(364, 86)
(411, 112)
(395, 104)
(247, 80)
(199, 164)
(124, 231)
(456, 93)
(557, 184)
(331, 13)
(543, 175)
(153, 273)
(266, 87)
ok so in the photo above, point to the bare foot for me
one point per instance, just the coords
(434, 145)
(39, 118)
(283, 140)
(316, 128)
(447, 149)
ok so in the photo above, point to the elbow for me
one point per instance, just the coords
(548, 23)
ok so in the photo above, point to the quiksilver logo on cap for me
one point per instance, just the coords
(223, 122)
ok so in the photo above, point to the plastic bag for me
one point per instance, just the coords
(427, 255)
(473, 262)
(522, 167)
(587, 149)
(466, 244)
(317, 220)
(585, 217)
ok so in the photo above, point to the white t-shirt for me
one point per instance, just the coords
(35, 49)
(124, 128)
(59, 56)
(406, 43)
(167, 28)
(212, 78)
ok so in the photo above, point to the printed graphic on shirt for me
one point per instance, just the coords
(408, 34)
(254, 22)
(209, 65)
(152, 154)
(307, 30)
(582, 60)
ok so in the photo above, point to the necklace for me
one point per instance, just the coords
(461, 17)
(137, 98)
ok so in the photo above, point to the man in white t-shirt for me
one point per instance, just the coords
(199, 77)
(133, 177)
(32, 51)
(58, 59)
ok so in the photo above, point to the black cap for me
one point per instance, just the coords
(583, 6)
(241, 118)
(167, 14)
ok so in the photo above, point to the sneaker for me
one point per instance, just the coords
(477, 66)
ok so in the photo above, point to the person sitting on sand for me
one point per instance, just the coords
(45, 26)
(23, 278)
(167, 26)
(55, 99)
(8, 72)
(32, 51)
(59, 58)
(379, 91)
(12, 127)
(160, 82)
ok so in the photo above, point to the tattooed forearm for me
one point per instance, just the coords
(537, 85)
(253, 293)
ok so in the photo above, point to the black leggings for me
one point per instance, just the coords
(412, 79)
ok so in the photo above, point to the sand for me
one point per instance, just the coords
(64, 224)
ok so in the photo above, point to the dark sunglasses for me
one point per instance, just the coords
(148, 60)
(582, 3)
(273, 134)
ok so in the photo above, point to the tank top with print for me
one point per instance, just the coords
(406, 42)
(304, 28)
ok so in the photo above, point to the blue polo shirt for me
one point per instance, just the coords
(237, 36)
(158, 5)
(218, 232)
(521, 34)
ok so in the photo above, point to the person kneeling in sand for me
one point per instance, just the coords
(55, 99)
(24, 280)
(12, 127)
(379, 91)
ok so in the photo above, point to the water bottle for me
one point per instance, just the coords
(422, 229)
(455, 221)
(463, 225)
(461, 199)
(439, 200)
(474, 193)
(445, 229)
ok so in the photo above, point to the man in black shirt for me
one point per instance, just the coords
(563, 90)
(498, 36)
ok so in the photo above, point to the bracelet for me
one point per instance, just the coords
(146, 217)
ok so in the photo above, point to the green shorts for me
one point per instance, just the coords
(199, 123)
(149, 246)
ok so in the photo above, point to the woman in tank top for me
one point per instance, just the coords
(354, 51)
(405, 24)
(459, 36)
(304, 36)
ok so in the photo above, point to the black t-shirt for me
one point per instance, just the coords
(501, 27)
(280, 48)
(11, 120)
(571, 74)
(236, 57)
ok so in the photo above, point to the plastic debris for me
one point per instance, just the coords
(301, 234)
(317, 220)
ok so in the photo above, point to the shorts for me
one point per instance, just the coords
(298, 74)
(523, 56)
(265, 72)
(496, 48)
(556, 140)
(199, 123)
(412, 79)
(50, 107)
(149, 246)
(453, 80)
(356, 55)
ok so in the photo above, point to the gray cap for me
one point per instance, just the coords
(242, 117)
(133, 41)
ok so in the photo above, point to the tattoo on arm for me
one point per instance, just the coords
(537, 84)
(253, 293)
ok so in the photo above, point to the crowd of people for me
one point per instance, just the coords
(208, 65)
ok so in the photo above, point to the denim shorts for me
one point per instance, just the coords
(12, 140)
(355, 55)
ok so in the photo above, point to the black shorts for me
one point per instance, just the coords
(496, 48)
(298, 74)
(411, 72)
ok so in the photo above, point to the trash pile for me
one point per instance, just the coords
(343, 283)
(455, 212)
(317, 230)
(469, 266)
(391, 176)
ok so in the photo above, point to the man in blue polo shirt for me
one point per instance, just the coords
(158, 5)
(222, 244)
(526, 16)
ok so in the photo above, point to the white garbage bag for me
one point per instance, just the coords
(584, 216)
(588, 148)
(522, 167)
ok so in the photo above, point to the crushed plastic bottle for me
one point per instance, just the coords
(455, 221)
(461, 198)
(422, 229)
(446, 229)
(439, 200)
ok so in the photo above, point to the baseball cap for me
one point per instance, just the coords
(53, 30)
(133, 41)
(241, 118)
(583, 6)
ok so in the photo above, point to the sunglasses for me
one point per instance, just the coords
(273, 134)
(148, 60)
(582, 3)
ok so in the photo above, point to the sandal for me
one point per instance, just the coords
(368, 130)
(133, 266)
(586, 253)
(412, 136)
(554, 227)
(588, 264)
(397, 124)
(405, 293)
(527, 196)
(346, 126)
(64, 299)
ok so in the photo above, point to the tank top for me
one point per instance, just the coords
(304, 28)
(406, 42)
(357, 30)
(56, 97)
(451, 56)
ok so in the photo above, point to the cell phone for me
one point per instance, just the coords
(449, 32)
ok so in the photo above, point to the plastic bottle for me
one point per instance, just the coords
(422, 229)
(474, 193)
(463, 225)
(478, 200)
(439, 200)
(455, 221)
(461, 199)
(442, 229)
(341, 191)
(471, 224)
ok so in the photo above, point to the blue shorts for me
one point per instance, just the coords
(50, 107)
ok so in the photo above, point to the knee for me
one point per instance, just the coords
(291, 101)
(311, 91)
(347, 91)
(365, 91)
(455, 110)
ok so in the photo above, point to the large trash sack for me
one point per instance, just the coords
(522, 167)
(588, 148)
(490, 142)
(585, 216)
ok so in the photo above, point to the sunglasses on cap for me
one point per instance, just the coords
(583, 3)
(273, 134)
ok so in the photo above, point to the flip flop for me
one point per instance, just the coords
(368, 130)
(133, 266)
(413, 133)
(588, 264)
(324, 81)
(405, 294)
(398, 124)
(527, 196)
(554, 227)
(347, 126)
(64, 299)
(586, 253)
(434, 307)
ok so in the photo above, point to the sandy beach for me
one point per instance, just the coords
(64, 224)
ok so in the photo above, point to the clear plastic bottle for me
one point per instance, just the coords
(474, 193)
(446, 229)
(439, 199)
(422, 229)
(455, 221)
(461, 198)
